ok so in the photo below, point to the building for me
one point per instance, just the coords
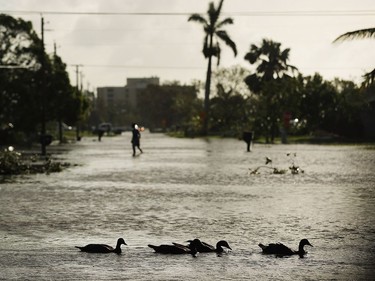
(135, 85)
(118, 104)
(109, 96)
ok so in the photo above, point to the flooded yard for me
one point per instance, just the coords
(180, 189)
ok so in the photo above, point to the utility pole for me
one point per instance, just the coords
(78, 137)
(43, 139)
(59, 119)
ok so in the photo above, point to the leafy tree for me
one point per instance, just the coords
(351, 103)
(319, 103)
(20, 86)
(228, 111)
(231, 106)
(272, 70)
(212, 27)
(168, 106)
(62, 91)
(34, 89)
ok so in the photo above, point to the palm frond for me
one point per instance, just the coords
(369, 78)
(225, 37)
(357, 34)
(212, 14)
(220, 6)
(224, 22)
(197, 18)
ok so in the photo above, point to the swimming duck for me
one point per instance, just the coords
(204, 247)
(282, 250)
(268, 160)
(177, 248)
(103, 248)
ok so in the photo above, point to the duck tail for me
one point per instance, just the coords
(78, 247)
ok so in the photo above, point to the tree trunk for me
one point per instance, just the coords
(207, 90)
(207, 97)
(60, 131)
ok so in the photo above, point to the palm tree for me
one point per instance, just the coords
(212, 26)
(271, 67)
(360, 34)
(272, 62)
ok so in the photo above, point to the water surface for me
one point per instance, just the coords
(181, 189)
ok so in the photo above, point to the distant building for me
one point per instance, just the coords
(109, 96)
(117, 104)
(136, 85)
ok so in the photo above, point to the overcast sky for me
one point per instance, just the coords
(112, 48)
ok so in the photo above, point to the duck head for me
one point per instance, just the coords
(305, 242)
(301, 250)
(223, 243)
(120, 242)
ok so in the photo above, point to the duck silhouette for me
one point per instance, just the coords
(204, 247)
(103, 248)
(177, 249)
(268, 160)
(282, 250)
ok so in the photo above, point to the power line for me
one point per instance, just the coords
(250, 13)
(198, 67)
(137, 66)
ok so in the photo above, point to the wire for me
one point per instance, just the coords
(137, 66)
(252, 13)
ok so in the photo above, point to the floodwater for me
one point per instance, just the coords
(181, 189)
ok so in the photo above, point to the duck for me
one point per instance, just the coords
(204, 247)
(177, 249)
(103, 248)
(268, 160)
(282, 250)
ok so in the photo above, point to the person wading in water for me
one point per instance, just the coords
(136, 138)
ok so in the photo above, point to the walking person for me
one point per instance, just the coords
(136, 138)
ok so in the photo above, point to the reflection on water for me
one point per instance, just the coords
(181, 189)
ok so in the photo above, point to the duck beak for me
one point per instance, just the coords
(310, 245)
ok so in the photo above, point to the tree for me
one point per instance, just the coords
(20, 59)
(272, 70)
(212, 26)
(318, 104)
(166, 106)
(34, 88)
(360, 34)
(231, 106)
(62, 92)
(351, 104)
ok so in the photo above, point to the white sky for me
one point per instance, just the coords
(112, 48)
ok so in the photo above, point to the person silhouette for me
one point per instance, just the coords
(136, 138)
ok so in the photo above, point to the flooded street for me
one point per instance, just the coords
(181, 189)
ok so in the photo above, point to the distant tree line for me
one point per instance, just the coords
(272, 98)
(270, 104)
(278, 92)
(169, 106)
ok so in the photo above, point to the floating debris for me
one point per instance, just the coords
(293, 168)
(14, 163)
